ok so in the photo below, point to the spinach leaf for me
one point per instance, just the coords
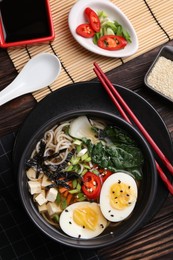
(117, 136)
(122, 152)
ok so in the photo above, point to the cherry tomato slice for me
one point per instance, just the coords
(85, 30)
(93, 19)
(104, 174)
(91, 185)
(112, 42)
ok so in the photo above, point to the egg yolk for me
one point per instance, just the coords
(86, 217)
(121, 195)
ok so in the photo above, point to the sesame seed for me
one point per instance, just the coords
(102, 226)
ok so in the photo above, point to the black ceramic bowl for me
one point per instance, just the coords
(146, 192)
(159, 77)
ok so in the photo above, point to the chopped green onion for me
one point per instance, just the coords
(76, 168)
(56, 218)
(81, 199)
(84, 157)
(78, 187)
(126, 35)
(119, 30)
(63, 203)
(74, 183)
(95, 172)
(84, 171)
(80, 195)
(101, 14)
(58, 198)
(69, 168)
(109, 31)
(86, 166)
(88, 159)
(111, 26)
(77, 142)
(78, 148)
(75, 160)
(73, 191)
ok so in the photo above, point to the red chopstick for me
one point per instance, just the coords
(122, 107)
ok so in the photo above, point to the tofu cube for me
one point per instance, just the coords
(31, 174)
(53, 208)
(42, 208)
(43, 192)
(40, 199)
(34, 187)
(51, 194)
(45, 181)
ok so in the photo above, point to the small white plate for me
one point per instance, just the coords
(76, 17)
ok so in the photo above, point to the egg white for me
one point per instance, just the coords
(71, 228)
(110, 213)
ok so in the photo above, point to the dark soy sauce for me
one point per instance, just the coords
(24, 19)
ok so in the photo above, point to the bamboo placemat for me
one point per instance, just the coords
(151, 19)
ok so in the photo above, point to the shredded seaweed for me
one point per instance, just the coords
(54, 173)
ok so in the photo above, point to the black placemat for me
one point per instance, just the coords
(19, 238)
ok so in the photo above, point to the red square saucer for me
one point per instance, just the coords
(25, 22)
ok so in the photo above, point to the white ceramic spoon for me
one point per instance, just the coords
(39, 72)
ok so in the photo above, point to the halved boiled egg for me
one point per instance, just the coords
(82, 220)
(118, 196)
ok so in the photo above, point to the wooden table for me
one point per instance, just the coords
(155, 240)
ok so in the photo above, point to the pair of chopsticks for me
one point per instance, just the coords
(124, 109)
